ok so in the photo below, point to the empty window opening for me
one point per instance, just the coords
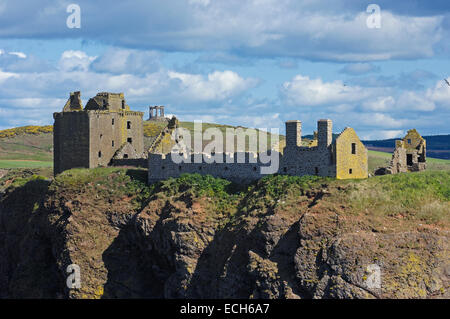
(123, 104)
(130, 140)
(128, 125)
(179, 167)
(101, 135)
(409, 159)
(104, 103)
(353, 148)
(112, 143)
(226, 168)
(163, 167)
(112, 121)
(316, 170)
(99, 154)
(254, 168)
(285, 169)
(125, 155)
(350, 171)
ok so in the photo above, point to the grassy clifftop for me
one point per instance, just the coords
(203, 237)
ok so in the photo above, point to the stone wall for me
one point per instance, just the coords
(162, 166)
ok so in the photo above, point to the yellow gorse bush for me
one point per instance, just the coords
(35, 130)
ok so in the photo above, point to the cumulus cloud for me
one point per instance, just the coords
(217, 86)
(315, 30)
(303, 91)
(75, 61)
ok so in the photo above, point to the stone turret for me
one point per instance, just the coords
(324, 133)
(293, 134)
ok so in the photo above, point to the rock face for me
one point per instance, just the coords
(173, 242)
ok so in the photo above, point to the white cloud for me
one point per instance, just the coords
(18, 54)
(382, 103)
(409, 100)
(303, 91)
(218, 85)
(381, 134)
(75, 61)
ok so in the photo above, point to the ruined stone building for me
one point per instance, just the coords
(345, 157)
(409, 155)
(105, 130)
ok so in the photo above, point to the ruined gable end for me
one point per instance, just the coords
(351, 156)
(74, 102)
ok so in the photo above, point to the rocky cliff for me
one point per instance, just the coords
(200, 237)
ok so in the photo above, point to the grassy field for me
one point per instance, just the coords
(24, 164)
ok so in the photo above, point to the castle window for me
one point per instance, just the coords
(409, 141)
(350, 171)
(316, 170)
(101, 135)
(130, 140)
(353, 148)
(226, 168)
(163, 167)
(199, 168)
(254, 168)
(99, 154)
(125, 155)
(112, 122)
(112, 143)
(104, 103)
(123, 104)
(128, 125)
(285, 169)
(179, 167)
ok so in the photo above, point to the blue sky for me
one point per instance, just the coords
(253, 63)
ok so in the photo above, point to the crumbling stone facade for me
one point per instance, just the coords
(409, 155)
(90, 137)
(346, 157)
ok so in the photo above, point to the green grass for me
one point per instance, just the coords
(420, 196)
(24, 164)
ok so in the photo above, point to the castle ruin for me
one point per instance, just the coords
(345, 157)
(409, 155)
(104, 131)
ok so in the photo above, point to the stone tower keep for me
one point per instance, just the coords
(92, 136)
